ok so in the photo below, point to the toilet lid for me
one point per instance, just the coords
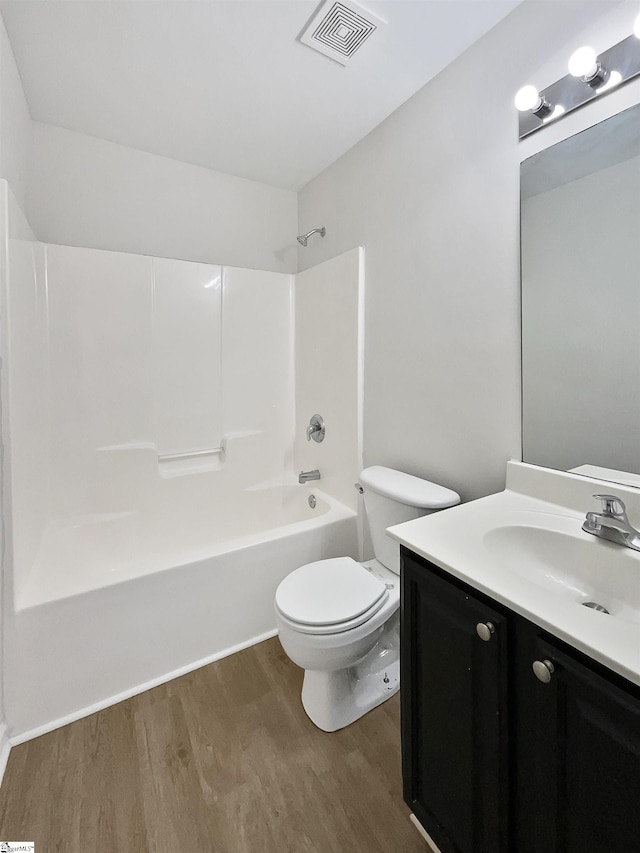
(329, 592)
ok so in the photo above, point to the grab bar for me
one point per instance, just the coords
(189, 454)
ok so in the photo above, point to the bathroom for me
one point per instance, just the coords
(421, 255)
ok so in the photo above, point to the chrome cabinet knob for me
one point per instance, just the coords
(543, 669)
(484, 630)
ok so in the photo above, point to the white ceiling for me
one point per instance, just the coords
(225, 83)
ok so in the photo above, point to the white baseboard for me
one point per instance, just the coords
(127, 694)
(423, 832)
(5, 749)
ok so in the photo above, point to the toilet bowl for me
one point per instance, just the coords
(339, 619)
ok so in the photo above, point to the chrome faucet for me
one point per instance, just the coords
(305, 476)
(612, 523)
(316, 429)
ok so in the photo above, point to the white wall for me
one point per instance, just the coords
(15, 140)
(5, 471)
(257, 377)
(87, 192)
(329, 301)
(433, 194)
(25, 365)
(15, 123)
(187, 348)
(100, 371)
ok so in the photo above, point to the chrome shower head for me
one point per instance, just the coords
(303, 238)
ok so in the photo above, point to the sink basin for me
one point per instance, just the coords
(555, 554)
(525, 548)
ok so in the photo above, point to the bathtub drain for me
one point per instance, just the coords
(312, 501)
(595, 606)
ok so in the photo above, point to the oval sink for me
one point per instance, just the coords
(571, 564)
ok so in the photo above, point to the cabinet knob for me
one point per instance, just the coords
(543, 669)
(484, 630)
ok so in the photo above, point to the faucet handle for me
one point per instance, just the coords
(316, 429)
(612, 505)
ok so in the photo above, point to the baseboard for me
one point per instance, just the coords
(5, 749)
(423, 832)
(127, 694)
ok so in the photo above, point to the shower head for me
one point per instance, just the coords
(302, 238)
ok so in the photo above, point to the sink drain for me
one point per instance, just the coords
(595, 606)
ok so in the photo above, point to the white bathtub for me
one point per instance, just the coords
(178, 525)
(119, 601)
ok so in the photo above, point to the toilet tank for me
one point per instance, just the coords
(391, 497)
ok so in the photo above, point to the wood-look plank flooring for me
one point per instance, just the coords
(222, 760)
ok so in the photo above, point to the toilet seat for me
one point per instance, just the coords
(334, 627)
(329, 596)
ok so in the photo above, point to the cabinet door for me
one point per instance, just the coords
(454, 706)
(580, 786)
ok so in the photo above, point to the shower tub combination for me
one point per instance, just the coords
(120, 603)
(154, 417)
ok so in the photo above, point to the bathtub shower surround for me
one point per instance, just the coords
(187, 358)
(156, 429)
(131, 402)
(329, 341)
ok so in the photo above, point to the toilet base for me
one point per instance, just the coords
(336, 699)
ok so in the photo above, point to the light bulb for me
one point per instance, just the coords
(636, 27)
(583, 62)
(527, 99)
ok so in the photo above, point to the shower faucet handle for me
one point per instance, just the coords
(316, 429)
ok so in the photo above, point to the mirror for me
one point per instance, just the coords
(580, 238)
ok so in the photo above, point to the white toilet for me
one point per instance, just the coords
(339, 619)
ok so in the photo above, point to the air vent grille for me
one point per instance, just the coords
(338, 30)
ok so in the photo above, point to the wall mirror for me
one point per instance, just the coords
(580, 237)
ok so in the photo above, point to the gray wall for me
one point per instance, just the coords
(433, 196)
(581, 312)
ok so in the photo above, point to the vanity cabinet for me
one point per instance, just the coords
(578, 745)
(454, 713)
(496, 760)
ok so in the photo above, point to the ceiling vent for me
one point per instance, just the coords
(339, 29)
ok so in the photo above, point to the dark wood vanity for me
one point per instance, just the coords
(498, 758)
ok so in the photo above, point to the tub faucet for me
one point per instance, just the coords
(612, 523)
(305, 476)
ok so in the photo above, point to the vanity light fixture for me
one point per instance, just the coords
(590, 75)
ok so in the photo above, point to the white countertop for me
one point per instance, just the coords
(456, 540)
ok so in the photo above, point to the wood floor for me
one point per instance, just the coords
(223, 760)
